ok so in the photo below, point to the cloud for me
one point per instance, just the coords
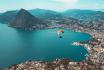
(70, 2)
(67, 4)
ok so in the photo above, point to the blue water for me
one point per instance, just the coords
(17, 46)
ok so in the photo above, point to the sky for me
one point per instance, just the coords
(57, 5)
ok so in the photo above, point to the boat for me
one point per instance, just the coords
(76, 43)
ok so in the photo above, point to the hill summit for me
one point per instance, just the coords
(25, 20)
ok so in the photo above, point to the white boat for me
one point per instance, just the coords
(76, 43)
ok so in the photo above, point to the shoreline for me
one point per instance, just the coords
(92, 62)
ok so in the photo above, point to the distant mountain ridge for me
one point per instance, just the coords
(79, 14)
(39, 13)
(53, 15)
(46, 14)
(102, 10)
(89, 18)
(7, 16)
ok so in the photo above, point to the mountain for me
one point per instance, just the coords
(85, 15)
(46, 14)
(99, 10)
(89, 18)
(40, 13)
(25, 20)
(56, 17)
(7, 16)
(79, 14)
(68, 21)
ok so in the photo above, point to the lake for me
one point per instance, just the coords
(17, 46)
